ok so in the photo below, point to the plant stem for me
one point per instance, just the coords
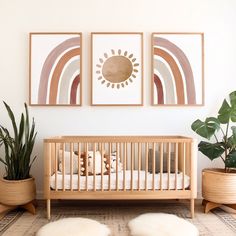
(222, 131)
(216, 138)
(226, 142)
(227, 129)
(218, 142)
(222, 158)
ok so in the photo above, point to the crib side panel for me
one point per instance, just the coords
(124, 165)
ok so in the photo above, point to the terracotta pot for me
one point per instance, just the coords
(218, 186)
(17, 192)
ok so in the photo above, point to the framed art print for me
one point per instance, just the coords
(55, 69)
(117, 69)
(178, 69)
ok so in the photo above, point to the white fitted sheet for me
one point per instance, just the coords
(90, 181)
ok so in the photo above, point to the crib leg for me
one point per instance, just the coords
(192, 207)
(48, 209)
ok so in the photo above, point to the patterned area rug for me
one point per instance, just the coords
(116, 216)
(7, 220)
(228, 219)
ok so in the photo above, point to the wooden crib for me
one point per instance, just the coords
(120, 167)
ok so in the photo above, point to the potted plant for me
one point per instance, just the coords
(219, 184)
(17, 187)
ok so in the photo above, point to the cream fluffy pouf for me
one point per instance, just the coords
(74, 227)
(160, 224)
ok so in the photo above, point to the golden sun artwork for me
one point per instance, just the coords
(117, 70)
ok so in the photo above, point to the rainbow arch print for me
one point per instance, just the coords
(55, 68)
(177, 62)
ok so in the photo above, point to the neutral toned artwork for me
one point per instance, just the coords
(117, 69)
(55, 68)
(177, 77)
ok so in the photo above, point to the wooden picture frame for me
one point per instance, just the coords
(55, 69)
(177, 69)
(116, 69)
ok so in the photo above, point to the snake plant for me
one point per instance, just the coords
(224, 143)
(18, 147)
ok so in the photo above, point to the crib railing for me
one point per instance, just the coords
(165, 155)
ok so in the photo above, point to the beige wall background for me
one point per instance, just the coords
(216, 18)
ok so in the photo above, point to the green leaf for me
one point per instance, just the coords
(224, 112)
(227, 111)
(1, 160)
(26, 122)
(230, 161)
(207, 128)
(233, 134)
(233, 114)
(21, 128)
(232, 97)
(211, 150)
(12, 117)
(231, 142)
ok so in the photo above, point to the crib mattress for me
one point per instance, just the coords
(113, 183)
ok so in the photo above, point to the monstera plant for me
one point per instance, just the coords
(218, 185)
(221, 134)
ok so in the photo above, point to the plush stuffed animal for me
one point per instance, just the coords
(111, 163)
(89, 158)
(98, 162)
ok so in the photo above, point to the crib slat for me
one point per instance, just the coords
(127, 156)
(176, 164)
(184, 159)
(101, 147)
(117, 158)
(153, 166)
(146, 167)
(109, 176)
(132, 166)
(71, 167)
(139, 164)
(121, 155)
(63, 166)
(161, 165)
(168, 165)
(94, 167)
(79, 164)
(86, 161)
(56, 165)
(124, 166)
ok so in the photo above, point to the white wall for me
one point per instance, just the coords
(216, 18)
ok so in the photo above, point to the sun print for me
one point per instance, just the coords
(117, 69)
(117, 73)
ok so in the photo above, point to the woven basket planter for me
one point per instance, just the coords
(218, 186)
(17, 192)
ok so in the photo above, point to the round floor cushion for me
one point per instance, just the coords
(74, 227)
(160, 224)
